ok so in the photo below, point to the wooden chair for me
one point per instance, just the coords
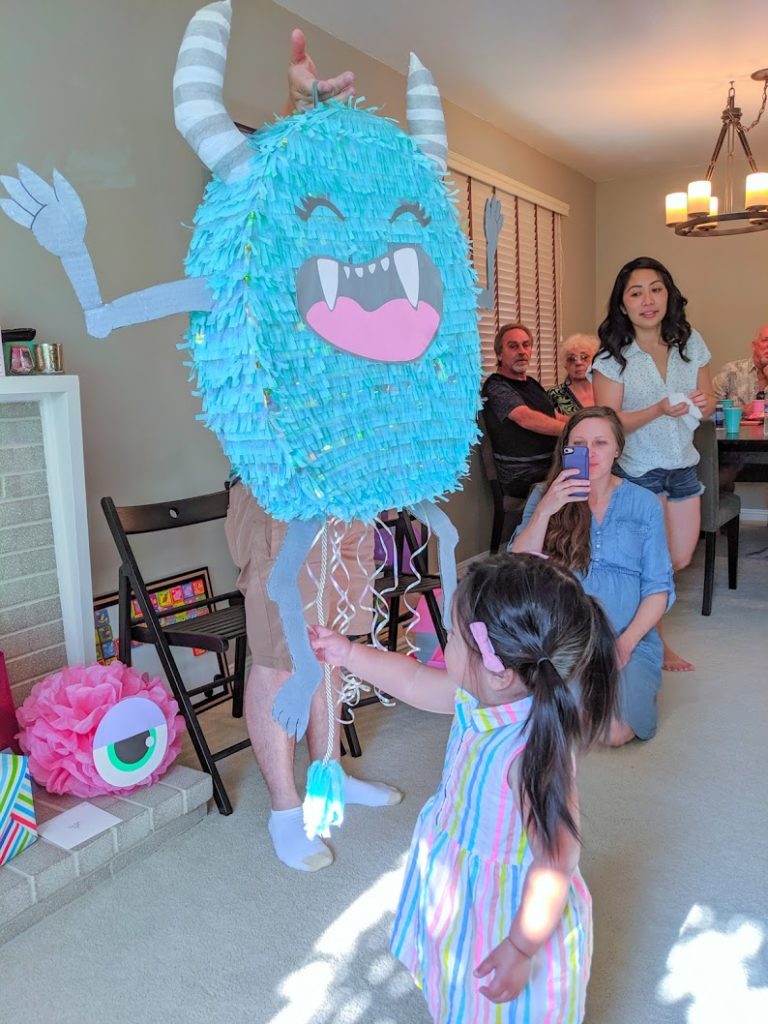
(222, 625)
(507, 511)
(720, 510)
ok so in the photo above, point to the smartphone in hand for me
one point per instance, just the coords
(577, 457)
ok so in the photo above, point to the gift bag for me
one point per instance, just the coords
(17, 812)
(8, 724)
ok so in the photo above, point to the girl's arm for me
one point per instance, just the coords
(545, 893)
(611, 393)
(429, 689)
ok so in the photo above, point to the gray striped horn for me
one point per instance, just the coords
(198, 84)
(424, 113)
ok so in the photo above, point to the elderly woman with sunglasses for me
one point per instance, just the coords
(575, 392)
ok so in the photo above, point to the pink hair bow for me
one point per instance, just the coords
(491, 660)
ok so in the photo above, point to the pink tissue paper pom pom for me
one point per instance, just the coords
(60, 717)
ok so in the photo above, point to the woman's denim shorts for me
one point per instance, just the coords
(672, 484)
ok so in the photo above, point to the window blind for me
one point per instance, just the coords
(527, 274)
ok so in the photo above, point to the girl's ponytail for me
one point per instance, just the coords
(546, 768)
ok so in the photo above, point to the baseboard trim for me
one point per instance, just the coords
(755, 515)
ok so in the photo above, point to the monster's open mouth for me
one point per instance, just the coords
(388, 309)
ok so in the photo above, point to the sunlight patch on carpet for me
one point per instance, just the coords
(312, 985)
(710, 965)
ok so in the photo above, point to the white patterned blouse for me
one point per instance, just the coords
(664, 443)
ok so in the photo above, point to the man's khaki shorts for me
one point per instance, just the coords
(254, 540)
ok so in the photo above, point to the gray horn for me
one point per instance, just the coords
(424, 113)
(198, 83)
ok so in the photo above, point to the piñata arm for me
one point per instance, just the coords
(56, 216)
(291, 706)
(447, 539)
(493, 221)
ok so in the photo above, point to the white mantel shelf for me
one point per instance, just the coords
(59, 398)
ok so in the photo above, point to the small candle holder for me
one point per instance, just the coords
(49, 357)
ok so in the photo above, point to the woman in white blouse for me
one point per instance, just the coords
(649, 352)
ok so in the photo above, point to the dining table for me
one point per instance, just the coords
(749, 446)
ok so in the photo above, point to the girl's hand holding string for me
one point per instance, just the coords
(329, 646)
(511, 972)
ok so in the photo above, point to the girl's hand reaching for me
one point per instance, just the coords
(329, 646)
(511, 972)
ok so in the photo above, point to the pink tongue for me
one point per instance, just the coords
(393, 333)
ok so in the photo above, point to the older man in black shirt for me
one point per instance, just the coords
(520, 417)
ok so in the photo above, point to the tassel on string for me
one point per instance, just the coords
(324, 802)
(326, 787)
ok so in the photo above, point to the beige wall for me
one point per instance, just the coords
(86, 87)
(724, 279)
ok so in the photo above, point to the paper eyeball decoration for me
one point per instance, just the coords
(99, 729)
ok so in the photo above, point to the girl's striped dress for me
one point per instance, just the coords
(464, 881)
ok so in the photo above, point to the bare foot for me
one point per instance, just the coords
(674, 663)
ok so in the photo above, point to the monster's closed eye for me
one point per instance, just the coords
(416, 209)
(311, 203)
(130, 742)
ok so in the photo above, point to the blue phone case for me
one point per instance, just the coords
(577, 457)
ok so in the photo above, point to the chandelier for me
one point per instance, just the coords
(694, 213)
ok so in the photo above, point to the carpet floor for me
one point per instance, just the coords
(211, 928)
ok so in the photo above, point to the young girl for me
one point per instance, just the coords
(648, 353)
(493, 907)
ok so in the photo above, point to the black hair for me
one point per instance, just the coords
(558, 640)
(616, 331)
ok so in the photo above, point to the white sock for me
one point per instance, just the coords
(371, 794)
(292, 845)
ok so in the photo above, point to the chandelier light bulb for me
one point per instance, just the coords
(676, 206)
(713, 206)
(699, 194)
(757, 191)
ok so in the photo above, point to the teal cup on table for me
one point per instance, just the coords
(732, 419)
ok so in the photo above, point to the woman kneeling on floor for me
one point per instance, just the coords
(610, 533)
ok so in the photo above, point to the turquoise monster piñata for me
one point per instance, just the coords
(333, 329)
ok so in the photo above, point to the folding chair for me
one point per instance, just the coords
(222, 624)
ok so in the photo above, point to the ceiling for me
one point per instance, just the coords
(612, 89)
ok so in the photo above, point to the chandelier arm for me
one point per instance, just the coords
(745, 146)
(716, 151)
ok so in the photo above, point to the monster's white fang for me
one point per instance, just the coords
(328, 272)
(407, 266)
